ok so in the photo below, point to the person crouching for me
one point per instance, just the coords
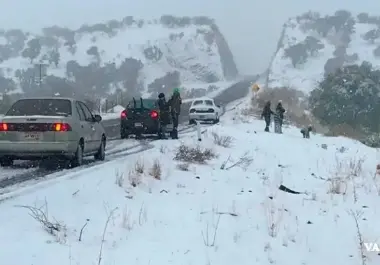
(306, 132)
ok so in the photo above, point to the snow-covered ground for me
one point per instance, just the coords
(305, 77)
(150, 208)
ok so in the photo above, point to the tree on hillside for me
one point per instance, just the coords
(372, 35)
(93, 51)
(362, 17)
(54, 57)
(349, 96)
(313, 45)
(297, 54)
(33, 49)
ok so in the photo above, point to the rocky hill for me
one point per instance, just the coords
(313, 45)
(132, 55)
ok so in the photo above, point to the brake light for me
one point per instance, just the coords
(123, 114)
(61, 127)
(3, 127)
(154, 114)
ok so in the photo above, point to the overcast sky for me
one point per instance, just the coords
(251, 27)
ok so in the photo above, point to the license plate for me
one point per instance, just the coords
(201, 117)
(32, 136)
(138, 124)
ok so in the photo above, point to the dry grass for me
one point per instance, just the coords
(193, 154)
(183, 166)
(156, 170)
(222, 140)
(135, 176)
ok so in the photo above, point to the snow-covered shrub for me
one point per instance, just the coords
(194, 154)
(222, 140)
(155, 170)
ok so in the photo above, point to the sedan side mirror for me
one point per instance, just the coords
(97, 118)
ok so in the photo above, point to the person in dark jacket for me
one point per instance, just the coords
(164, 109)
(306, 131)
(266, 114)
(175, 103)
(279, 118)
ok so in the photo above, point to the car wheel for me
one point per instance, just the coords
(101, 154)
(216, 119)
(77, 161)
(6, 162)
(191, 122)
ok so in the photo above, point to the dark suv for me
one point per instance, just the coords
(141, 116)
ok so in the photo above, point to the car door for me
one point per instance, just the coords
(85, 128)
(94, 130)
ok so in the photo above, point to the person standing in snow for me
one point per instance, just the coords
(306, 132)
(175, 103)
(279, 117)
(266, 114)
(164, 108)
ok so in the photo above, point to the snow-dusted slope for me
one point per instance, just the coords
(330, 41)
(194, 47)
(129, 212)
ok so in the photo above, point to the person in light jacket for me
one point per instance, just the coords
(279, 117)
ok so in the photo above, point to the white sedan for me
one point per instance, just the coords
(204, 109)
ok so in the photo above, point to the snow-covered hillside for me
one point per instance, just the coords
(129, 54)
(312, 44)
(158, 208)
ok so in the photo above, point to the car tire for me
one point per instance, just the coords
(191, 122)
(6, 162)
(101, 154)
(216, 119)
(77, 161)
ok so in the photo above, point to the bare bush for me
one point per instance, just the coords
(193, 154)
(183, 166)
(274, 217)
(119, 179)
(337, 186)
(357, 216)
(50, 225)
(222, 140)
(156, 170)
(135, 176)
(139, 167)
(243, 162)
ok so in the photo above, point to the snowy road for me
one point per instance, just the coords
(26, 172)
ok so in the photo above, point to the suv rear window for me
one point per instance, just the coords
(147, 103)
(41, 107)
